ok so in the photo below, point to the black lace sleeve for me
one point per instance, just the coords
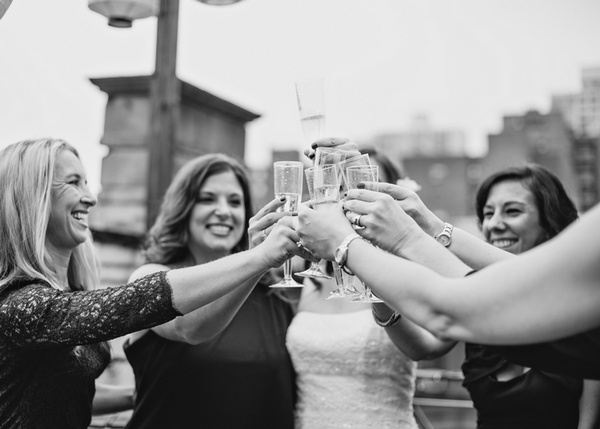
(37, 315)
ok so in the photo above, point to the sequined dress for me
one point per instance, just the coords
(52, 345)
(349, 374)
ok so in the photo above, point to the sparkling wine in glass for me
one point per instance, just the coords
(311, 107)
(288, 184)
(314, 271)
(326, 197)
(354, 175)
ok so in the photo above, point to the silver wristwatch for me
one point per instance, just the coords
(445, 237)
(341, 253)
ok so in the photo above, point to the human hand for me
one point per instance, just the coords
(323, 231)
(341, 143)
(263, 221)
(411, 204)
(384, 222)
(283, 242)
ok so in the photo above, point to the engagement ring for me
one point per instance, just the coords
(356, 221)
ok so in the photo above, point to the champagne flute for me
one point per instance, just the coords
(311, 107)
(314, 271)
(326, 196)
(288, 184)
(325, 156)
(362, 159)
(354, 175)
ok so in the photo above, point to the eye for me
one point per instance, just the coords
(205, 199)
(488, 214)
(236, 202)
(513, 211)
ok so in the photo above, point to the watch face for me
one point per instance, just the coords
(443, 239)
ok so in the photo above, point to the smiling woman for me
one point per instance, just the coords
(71, 202)
(183, 365)
(519, 208)
(55, 321)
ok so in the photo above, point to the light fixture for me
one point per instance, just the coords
(219, 2)
(4, 5)
(121, 13)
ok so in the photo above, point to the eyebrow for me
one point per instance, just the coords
(237, 194)
(520, 203)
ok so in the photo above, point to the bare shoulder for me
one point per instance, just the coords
(146, 269)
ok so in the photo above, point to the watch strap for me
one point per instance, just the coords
(393, 320)
(343, 249)
(447, 232)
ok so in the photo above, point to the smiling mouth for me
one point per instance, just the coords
(80, 216)
(220, 229)
(504, 243)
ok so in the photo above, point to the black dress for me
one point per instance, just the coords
(243, 378)
(533, 400)
(52, 345)
(575, 356)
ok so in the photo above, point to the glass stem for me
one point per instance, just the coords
(337, 274)
(287, 269)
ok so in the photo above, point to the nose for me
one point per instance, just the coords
(89, 198)
(496, 222)
(222, 209)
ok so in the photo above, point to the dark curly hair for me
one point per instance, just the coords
(557, 210)
(167, 240)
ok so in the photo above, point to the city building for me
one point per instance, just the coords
(582, 110)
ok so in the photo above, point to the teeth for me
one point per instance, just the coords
(220, 229)
(80, 215)
(503, 243)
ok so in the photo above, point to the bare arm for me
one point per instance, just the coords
(472, 250)
(205, 322)
(589, 405)
(414, 341)
(209, 320)
(508, 302)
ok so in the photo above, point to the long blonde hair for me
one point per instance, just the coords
(26, 175)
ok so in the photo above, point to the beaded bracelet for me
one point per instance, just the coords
(393, 320)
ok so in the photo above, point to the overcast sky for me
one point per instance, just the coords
(463, 63)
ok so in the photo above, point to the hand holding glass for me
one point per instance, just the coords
(314, 271)
(288, 184)
(354, 175)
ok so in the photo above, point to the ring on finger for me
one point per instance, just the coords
(300, 244)
(357, 222)
(264, 234)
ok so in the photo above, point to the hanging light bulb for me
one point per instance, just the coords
(219, 2)
(121, 13)
(4, 5)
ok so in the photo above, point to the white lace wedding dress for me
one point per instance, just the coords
(350, 375)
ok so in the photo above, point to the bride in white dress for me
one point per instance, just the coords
(349, 373)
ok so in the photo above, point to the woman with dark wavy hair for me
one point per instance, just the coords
(225, 365)
(519, 208)
(556, 210)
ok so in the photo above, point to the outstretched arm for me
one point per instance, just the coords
(472, 250)
(589, 408)
(548, 293)
(209, 320)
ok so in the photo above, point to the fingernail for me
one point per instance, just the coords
(282, 199)
(360, 186)
(314, 145)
